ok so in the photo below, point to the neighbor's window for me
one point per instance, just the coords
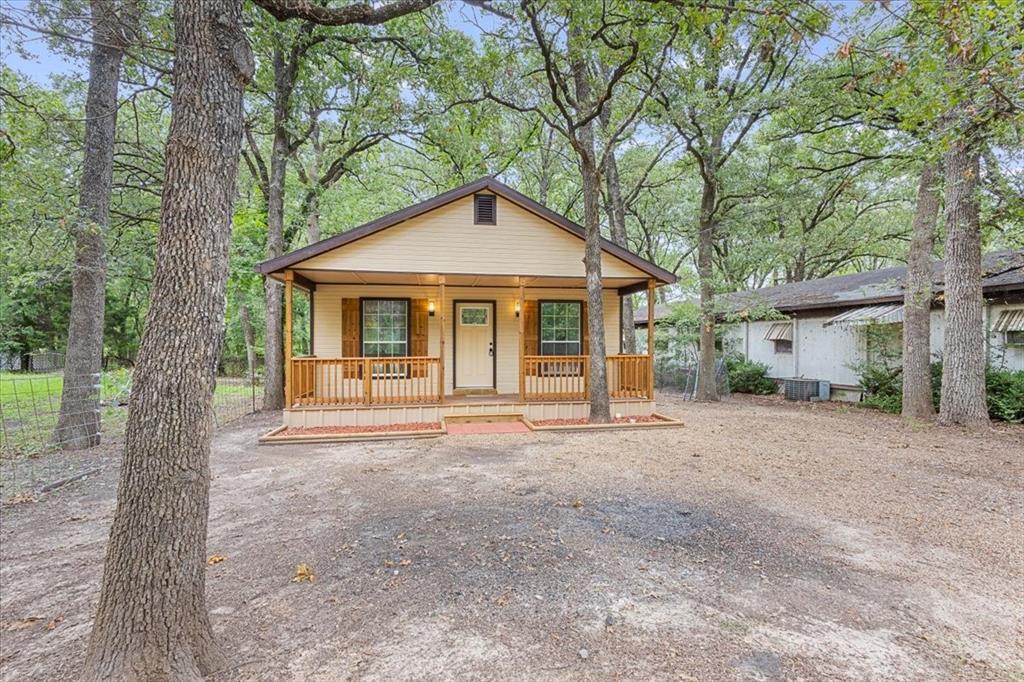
(783, 346)
(385, 328)
(1015, 338)
(560, 328)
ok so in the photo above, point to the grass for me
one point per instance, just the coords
(30, 405)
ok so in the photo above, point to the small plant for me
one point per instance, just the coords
(747, 376)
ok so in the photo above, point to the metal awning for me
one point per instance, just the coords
(780, 331)
(891, 313)
(1010, 321)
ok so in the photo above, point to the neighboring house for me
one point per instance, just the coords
(826, 330)
(471, 302)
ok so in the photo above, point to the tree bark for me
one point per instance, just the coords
(600, 403)
(284, 82)
(617, 225)
(152, 622)
(917, 302)
(78, 425)
(707, 387)
(963, 370)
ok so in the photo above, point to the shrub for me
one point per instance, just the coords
(883, 390)
(1005, 391)
(747, 376)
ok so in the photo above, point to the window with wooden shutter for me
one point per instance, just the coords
(350, 333)
(485, 209)
(530, 327)
(418, 338)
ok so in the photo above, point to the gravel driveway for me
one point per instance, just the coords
(762, 541)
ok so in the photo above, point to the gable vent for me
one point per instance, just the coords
(485, 209)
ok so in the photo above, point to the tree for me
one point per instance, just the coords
(584, 55)
(727, 75)
(155, 567)
(78, 426)
(917, 301)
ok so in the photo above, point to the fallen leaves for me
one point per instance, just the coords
(577, 504)
(215, 559)
(303, 574)
(23, 498)
(389, 563)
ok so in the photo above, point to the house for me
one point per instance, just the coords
(831, 325)
(472, 302)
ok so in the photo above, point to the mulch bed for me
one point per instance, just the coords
(582, 421)
(379, 428)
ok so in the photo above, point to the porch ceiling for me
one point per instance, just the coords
(455, 279)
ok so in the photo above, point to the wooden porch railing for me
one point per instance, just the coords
(629, 376)
(556, 377)
(365, 381)
(567, 377)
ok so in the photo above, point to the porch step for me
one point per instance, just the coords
(470, 424)
(475, 391)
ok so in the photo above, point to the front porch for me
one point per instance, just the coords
(514, 374)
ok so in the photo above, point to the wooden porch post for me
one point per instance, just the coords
(650, 339)
(521, 307)
(289, 278)
(444, 317)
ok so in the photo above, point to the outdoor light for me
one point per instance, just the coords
(430, 308)
(517, 308)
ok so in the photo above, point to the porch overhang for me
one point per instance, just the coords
(309, 278)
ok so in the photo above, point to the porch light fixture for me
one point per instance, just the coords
(430, 308)
(517, 307)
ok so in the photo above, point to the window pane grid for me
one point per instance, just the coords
(385, 328)
(560, 328)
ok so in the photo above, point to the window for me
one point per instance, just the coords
(473, 316)
(783, 346)
(485, 209)
(1015, 338)
(560, 328)
(385, 327)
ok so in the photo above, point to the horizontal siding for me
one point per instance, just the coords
(327, 320)
(446, 241)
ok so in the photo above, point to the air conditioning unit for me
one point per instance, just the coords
(806, 389)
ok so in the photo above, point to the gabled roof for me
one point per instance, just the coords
(1002, 271)
(483, 184)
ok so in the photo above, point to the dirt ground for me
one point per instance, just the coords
(763, 541)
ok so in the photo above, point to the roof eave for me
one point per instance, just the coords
(281, 262)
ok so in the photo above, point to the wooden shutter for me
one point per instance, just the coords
(418, 340)
(531, 328)
(584, 330)
(350, 324)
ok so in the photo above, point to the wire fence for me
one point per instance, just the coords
(678, 372)
(30, 413)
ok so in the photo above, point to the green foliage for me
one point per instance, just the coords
(747, 376)
(883, 389)
(1005, 390)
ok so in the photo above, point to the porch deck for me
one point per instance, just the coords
(461, 405)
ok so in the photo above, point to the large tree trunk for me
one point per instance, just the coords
(707, 387)
(963, 370)
(250, 342)
(600, 407)
(152, 622)
(273, 353)
(917, 302)
(617, 225)
(78, 425)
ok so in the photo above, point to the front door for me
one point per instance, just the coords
(474, 344)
